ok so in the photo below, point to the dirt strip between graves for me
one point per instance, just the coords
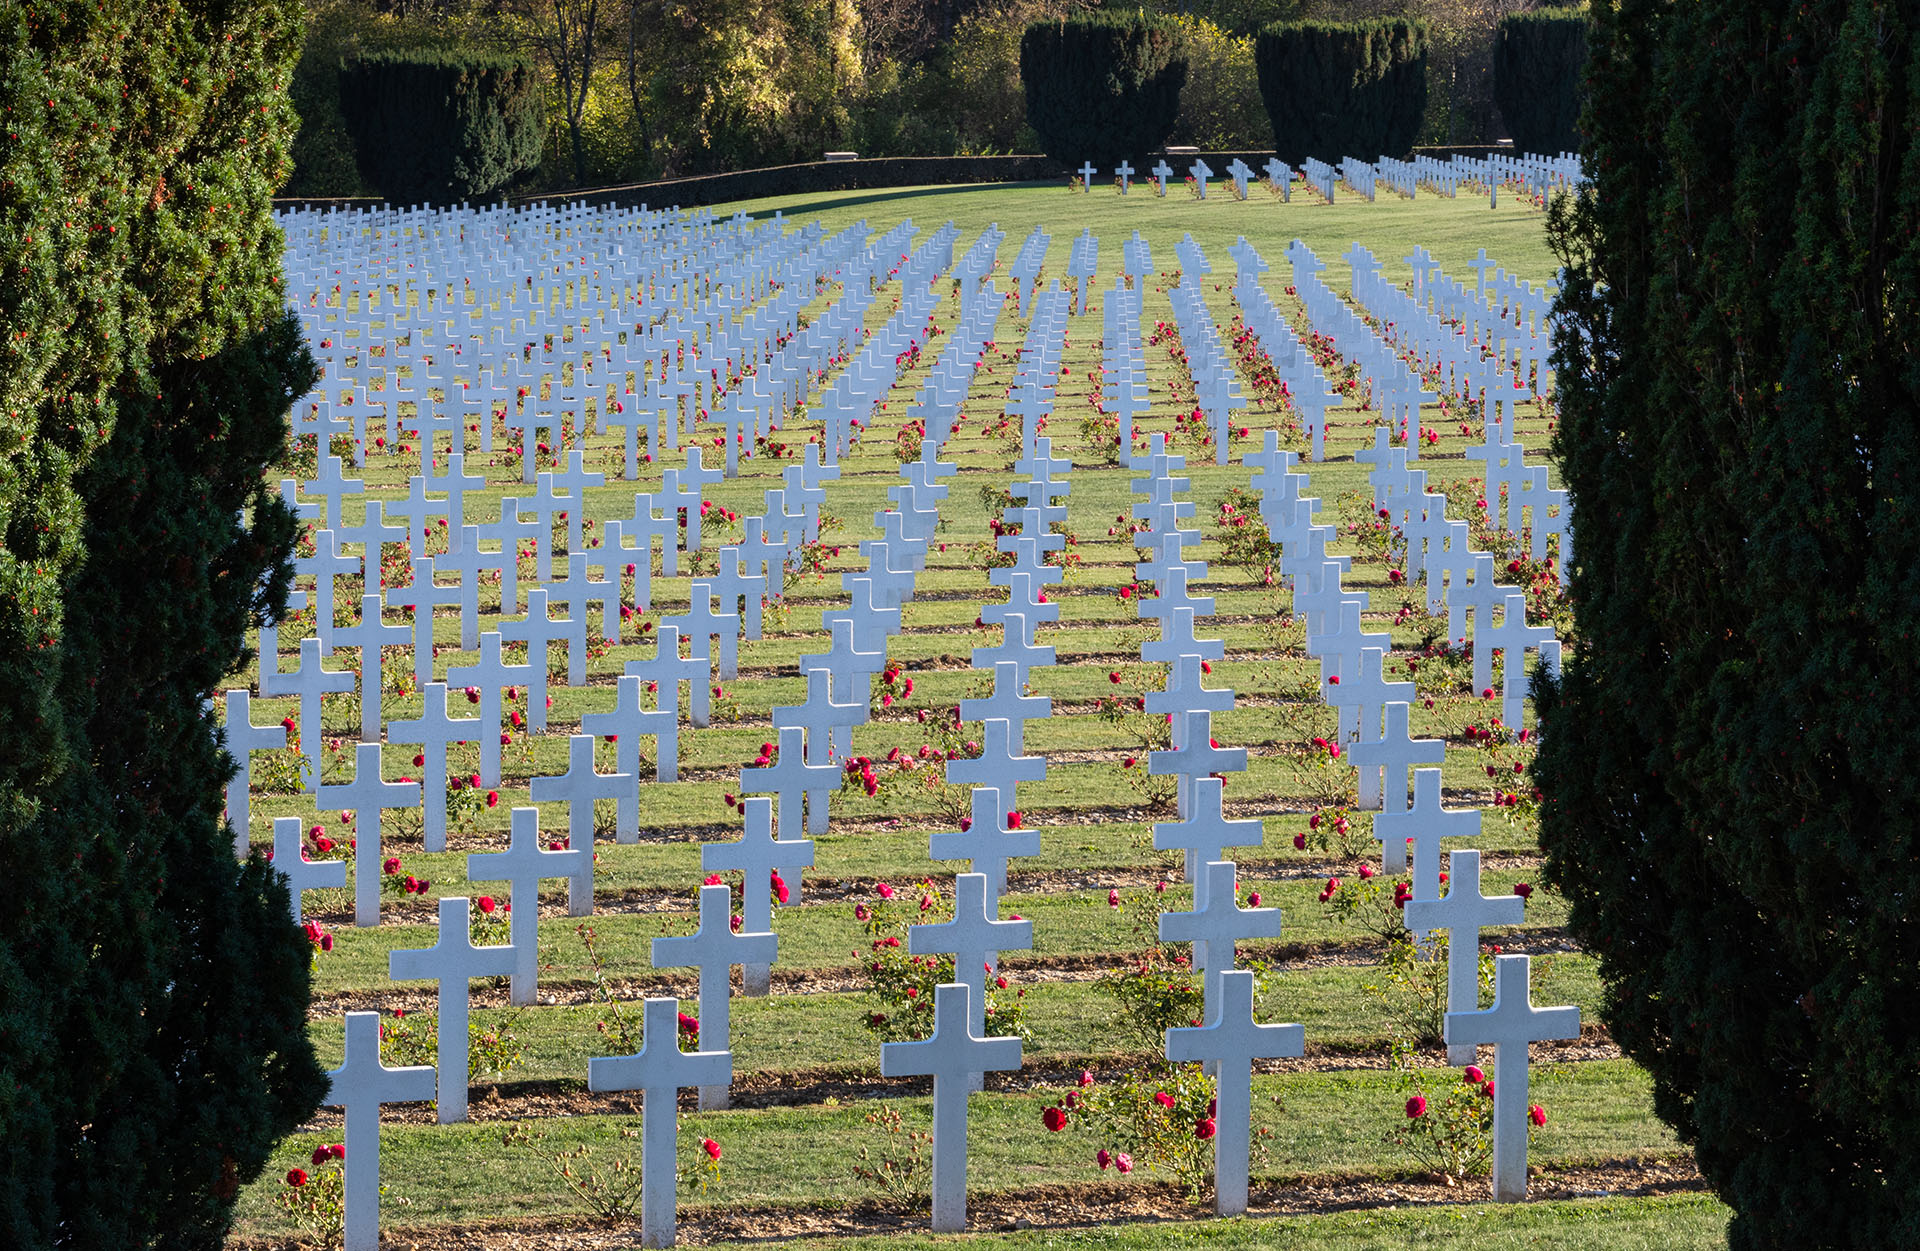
(523, 1100)
(1283, 957)
(1083, 1205)
(826, 890)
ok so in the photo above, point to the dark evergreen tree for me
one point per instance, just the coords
(1340, 89)
(1102, 86)
(1537, 58)
(439, 126)
(152, 991)
(1730, 765)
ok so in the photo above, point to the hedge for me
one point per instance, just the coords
(1339, 89)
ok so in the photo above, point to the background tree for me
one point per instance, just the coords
(1102, 86)
(1537, 58)
(564, 32)
(152, 991)
(442, 126)
(1730, 764)
(1340, 89)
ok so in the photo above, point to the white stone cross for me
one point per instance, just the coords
(1365, 688)
(821, 717)
(309, 682)
(1016, 647)
(1513, 636)
(452, 962)
(796, 783)
(243, 738)
(628, 722)
(757, 856)
(1008, 704)
(422, 596)
(1232, 1040)
(367, 796)
(987, 843)
(1240, 173)
(360, 1086)
(658, 1070)
(1126, 172)
(470, 562)
(433, 732)
(714, 949)
(846, 665)
(522, 865)
(538, 629)
(1177, 640)
(1463, 912)
(1195, 756)
(578, 788)
(419, 512)
(290, 858)
(1206, 833)
(1023, 597)
(1424, 825)
(700, 625)
(1087, 171)
(370, 636)
(1215, 926)
(951, 1055)
(490, 675)
(372, 534)
(975, 937)
(1161, 173)
(327, 563)
(1510, 1025)
(1394, 753)
(997, 765)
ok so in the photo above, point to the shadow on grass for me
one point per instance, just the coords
(841, 200)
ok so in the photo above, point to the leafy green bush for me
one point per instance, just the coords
(1537, 59)
(439, 126)
(1102, 86)
(1339, 89)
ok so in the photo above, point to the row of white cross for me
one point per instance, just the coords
(804, 775)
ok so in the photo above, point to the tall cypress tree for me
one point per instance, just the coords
(152, 991)
(1730, 761)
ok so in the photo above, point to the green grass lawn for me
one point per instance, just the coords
(1093, 811)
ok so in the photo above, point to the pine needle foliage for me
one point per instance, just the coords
(1730, 764)
(152, 990)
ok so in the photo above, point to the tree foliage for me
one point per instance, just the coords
(1220, 106)
(1339, 89)
(1730, 765)
(1102, 86)
(152, 991)
(1536, 77)
(439, 126)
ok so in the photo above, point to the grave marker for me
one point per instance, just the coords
(451, 962)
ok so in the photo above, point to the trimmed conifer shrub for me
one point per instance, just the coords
(1340, 89)
(438, 126)
(1537, 59)
(1730, 765)
(152, 990)
(1102, 86)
